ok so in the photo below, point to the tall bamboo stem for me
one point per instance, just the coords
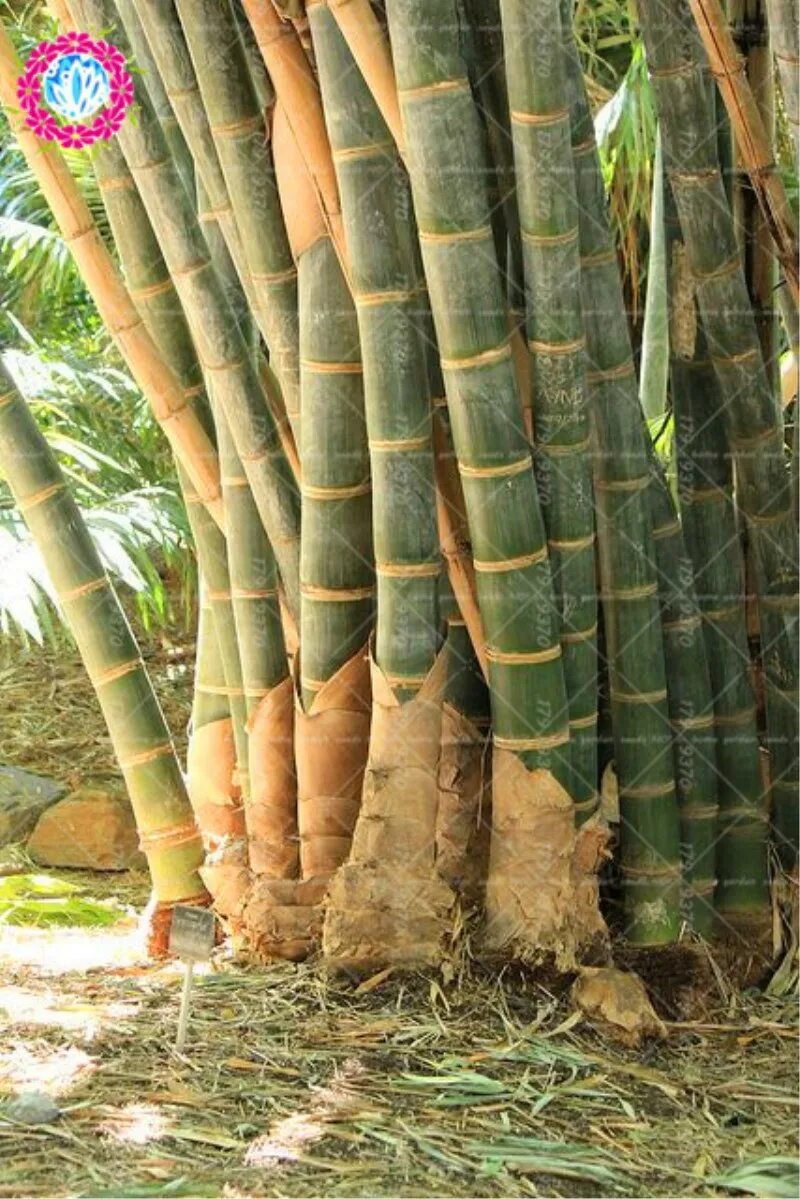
(158, 383)
(755, 429)
(296, 88)
(447, 167)
(627, 553)
(236, 122)
(784, 30)
(548, 213)
(139, 734)
(752, 138)
(234, 382)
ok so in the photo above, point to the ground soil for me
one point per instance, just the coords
(292, 1084)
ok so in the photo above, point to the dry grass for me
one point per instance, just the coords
(294, 1085)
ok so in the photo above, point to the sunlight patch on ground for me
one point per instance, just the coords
(40, 1069)
(136, 1124)
(63, 950)
(53, 1010)
(288, 1137)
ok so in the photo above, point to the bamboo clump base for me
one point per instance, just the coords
(361, 266)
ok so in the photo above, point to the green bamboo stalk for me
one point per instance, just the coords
(173, 62)
(156, 299)
(748, 21)
(214, 570)
(688, 686)
(387, 277)
(627, 554)
(209, 701)
(712, 538)
(691, 710)
(226, 269)
(100, 274)
(528, 891)
(446, 161)
(393, 845)
(654, 371)
(221, 347)
(548, 213)
(753, 419)
(713, 541)
(464, 815)
(136, 725)
(258, 72)
(166, 39)
(336, 563)
(237, 126)
(268, 774)
(143, 59)
(487, 70)
(253, 573)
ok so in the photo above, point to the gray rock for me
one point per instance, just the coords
(31, 1107)
(89, 830)
(23, 799)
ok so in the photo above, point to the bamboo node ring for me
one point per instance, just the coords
(638, 697)
(575, 636)
(116, 672)
(556, 347)
(585, 722)
(409, 570)
(539, 118)
(74, 593)
(498, 566)
(164, 750)
(504, 471)
(40, 497)
(521, 744)
(476, 361)
(336, 493)
(527, 658)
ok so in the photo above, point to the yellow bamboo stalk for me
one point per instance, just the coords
(296, 88)
(60, 10)
(370, 49)
(751, 136)
(188, 439)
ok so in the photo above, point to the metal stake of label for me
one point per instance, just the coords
(191, 939)
(183, 1018)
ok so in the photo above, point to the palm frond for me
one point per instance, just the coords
(626, 131)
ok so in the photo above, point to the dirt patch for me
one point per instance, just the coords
(50, 721)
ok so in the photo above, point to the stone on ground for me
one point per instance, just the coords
(31, 1107)
(23, 799)
(617, 1003)
(89, 830)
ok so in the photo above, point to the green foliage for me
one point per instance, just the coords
(768, 1176)
(42, 900)
(121, 473)
(604, 31)
(626, 136)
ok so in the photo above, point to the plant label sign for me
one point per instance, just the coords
(191, 937)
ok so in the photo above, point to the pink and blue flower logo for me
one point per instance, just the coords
(75, 90)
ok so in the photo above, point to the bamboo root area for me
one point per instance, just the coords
(467, 657)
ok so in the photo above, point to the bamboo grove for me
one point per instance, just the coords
(361, 267)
